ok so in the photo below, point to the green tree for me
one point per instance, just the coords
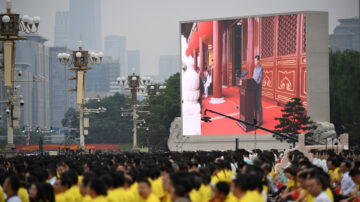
(163, 109)
(294, 120)
(345, 93)
(71, 121)
(71, 118)
(106, 127)
(110, 127)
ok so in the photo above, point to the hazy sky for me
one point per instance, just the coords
(152, 26)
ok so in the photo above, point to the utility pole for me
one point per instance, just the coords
(134, 83)
(80, 59)
(10, 25)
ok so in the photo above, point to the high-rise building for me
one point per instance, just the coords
(2, 93)
(85, 24)
(133, 61)
(168, 65)
(62, 29)
(115, 47)
(32, 57)
(346, 35)
(60, 98)
(100, 80)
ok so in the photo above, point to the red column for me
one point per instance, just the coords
(217, 60)
(201, 62)
(223, 59)
(250, 46)
(195, 59)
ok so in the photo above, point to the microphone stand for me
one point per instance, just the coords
(255, 122)
(208, 119)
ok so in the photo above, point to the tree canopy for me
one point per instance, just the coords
(345, 93)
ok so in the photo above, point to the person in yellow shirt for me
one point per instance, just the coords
(195, 181)
(59, 195)
(108, 179)
(333, 171)
(65, 186)
(290, 173)
(195, 196)
(83, 187)
(134, 192)
(239, 186)
(2, 197)
(252, 196)
(144, 188)
(205, 190)
(166, 187)
(22, 193)
(222, 193)
(74, 188)
(130, 192)
(119, 191)
(97, 190)
(221, 175)
(247, 188)
(156, 186)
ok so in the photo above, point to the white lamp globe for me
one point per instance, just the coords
(36, 19)
(5, 19)
(31, 20)
(25, 18)
(78, 54)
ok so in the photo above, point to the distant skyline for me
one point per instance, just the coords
(152, 27)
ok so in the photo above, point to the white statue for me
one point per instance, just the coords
(191, 112)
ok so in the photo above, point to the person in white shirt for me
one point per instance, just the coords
(51, 175)
(347, 184)
(11, 186)
(315, 186)
(207, 81)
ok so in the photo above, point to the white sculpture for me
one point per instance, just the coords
(191, 112)
(324, 132)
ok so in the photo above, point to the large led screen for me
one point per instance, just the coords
(245, 68)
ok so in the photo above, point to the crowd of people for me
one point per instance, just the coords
(246, 176)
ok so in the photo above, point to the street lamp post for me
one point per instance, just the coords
(80, 59)
(10, 25)
(152, 90)
(134, 83)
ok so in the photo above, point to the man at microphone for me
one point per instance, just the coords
(257, 76)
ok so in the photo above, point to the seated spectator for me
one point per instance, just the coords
(316, 187)
(346, 183)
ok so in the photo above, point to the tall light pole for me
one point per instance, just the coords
(152, 90)
(134, 83)
(80, 59)
(10, 25)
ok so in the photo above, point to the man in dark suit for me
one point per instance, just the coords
(258, 76)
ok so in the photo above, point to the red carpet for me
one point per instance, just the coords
(224, 126)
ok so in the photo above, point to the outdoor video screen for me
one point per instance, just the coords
(245, 68)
